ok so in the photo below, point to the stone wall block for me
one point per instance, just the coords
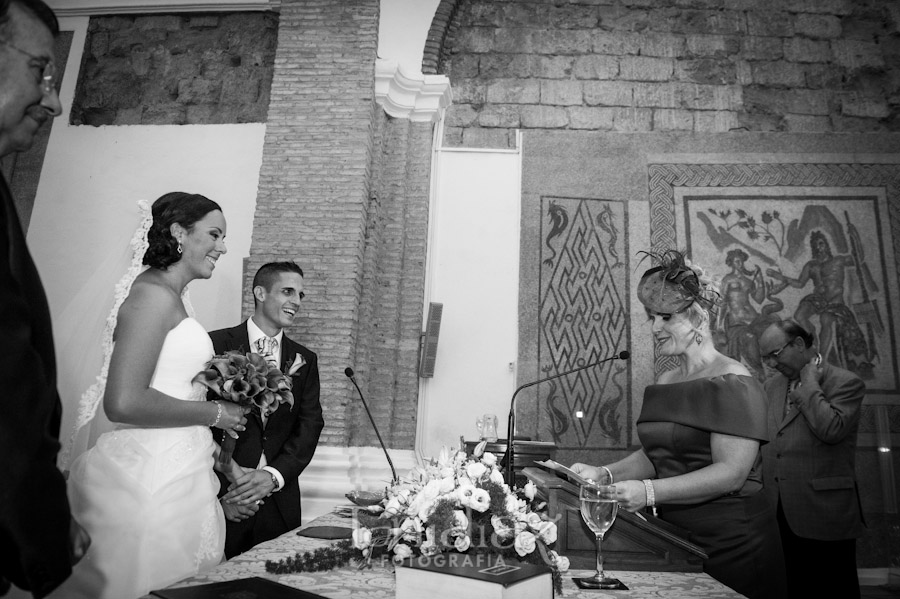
(836, 7)
(819, 76)
(717, 46)
(848, 124)
(573, 16)
(203, 21)
(663, 45)
(716, 71)
(869, 27)
(589, 117)
(620, 18)
(798, 49)
(544, 117)
(500, 66)
(805, 123)
(668, 119)
(608, 93)
(563, 93)
(655, 95)
(550, 41)
(856, 104)
(476, 40)
(770, 23)
(817, 26)
(777, 73)
(469, 91)
(514, 91)
(724, 22)
(99, 44)
(632, 119)
(715, 121)
(519, 40)
(464, 66)
(162, 114)
(140, 62)
(477, 137)
(499, 115)
(615, 43)
(483, 14)
(595, 67)
(761, 48)
(856, 54)
(551, 67)
(645, 68)
(166, 22)
(129, 116)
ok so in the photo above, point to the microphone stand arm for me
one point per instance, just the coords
(509, 457)
(395, 480)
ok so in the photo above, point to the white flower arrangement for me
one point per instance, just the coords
(462, 504)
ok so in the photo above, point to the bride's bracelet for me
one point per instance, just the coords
(218, 413)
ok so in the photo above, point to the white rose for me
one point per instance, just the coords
(562, 563)
(425, 509)
(476, 470)
(362, 537)
(428, 548)
(402, 551)
(496, 476)
(500, 528)
(481, 500)
(512, 504)
(462, 543)
(464, 492)
(525, 543)
(412, 529)
(489, 459)
(393, 506)
(546, 530)
(448, 483)
(530, 489)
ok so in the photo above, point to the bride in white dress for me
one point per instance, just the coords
(146, 492)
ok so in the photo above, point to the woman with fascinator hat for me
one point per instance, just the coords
(700, 429)
(146, 492)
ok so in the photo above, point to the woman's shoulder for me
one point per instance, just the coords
(149, 299)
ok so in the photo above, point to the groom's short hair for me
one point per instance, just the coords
(36, 7)
(267, 274)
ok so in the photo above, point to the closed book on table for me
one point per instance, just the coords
(462, 576)
(245, 588)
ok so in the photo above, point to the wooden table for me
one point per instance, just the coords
(378, 582)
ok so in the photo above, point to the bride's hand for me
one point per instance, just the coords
(233, 419)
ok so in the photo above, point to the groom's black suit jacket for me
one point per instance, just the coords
(289, 440)
(34, 510)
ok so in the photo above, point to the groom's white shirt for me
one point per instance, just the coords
(254, 333)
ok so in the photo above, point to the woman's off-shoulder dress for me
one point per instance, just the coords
(738, 531)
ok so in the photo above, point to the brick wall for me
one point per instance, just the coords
(344, 192)
(664, 65)
(176, 69)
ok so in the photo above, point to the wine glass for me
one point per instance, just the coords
(598, 509)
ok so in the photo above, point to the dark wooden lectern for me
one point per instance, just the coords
(631, 544)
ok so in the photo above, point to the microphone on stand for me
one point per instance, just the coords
(510, 452)
(349, 372)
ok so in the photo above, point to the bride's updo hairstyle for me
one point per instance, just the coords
(175, 207)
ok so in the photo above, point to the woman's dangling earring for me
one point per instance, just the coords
(179, 247)
(698, 338)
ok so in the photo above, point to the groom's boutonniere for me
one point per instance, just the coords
(299, 362)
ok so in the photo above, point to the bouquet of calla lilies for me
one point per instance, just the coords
(247, 380)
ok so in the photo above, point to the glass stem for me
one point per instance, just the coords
(600, 575)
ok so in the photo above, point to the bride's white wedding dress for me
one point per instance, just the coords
(147, 496)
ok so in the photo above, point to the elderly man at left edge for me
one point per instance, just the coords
(39, 540)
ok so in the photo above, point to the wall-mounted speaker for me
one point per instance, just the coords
(428, 342)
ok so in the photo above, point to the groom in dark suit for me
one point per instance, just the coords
(39, 540)
(273, 451)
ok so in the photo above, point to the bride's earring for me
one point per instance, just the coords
(698, 338)
(179, 247)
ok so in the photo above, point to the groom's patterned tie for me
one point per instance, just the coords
(267, 347)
